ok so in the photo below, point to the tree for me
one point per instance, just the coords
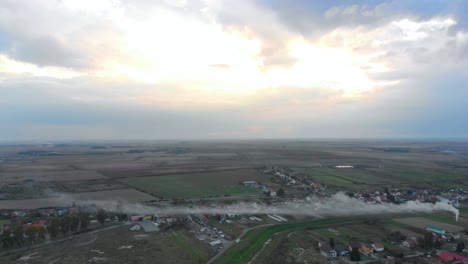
(355, 255)
(7, 240)
(65, 224)
(54, 228)
(396, 236)
(428, 241)
(460, 247)
(75, 222)
(101, 216)
(437, 244)
(332, 243)
(18, 233)
(280, 192)
(84, 221)
(31, 234)
(41, 232)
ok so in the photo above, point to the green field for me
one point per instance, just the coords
(197, 254)
(361, 177)
(253, 241)
(4, 222)
(195, 185)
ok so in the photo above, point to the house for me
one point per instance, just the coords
(252, 184)
(409, 243)
(435, 229)
(352, 245)
(449, 257)
(61, 211)
(366, 249)
(322, 243)
(341, 250)
(327, 251)
(148, 217)
(377, 247)
(136, 217)
(462, 261)
(47, 211)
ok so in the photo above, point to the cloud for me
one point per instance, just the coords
(214, 69)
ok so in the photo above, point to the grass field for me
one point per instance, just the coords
(198, 184)
(4, 222)
(186, 243)
(122, 246)
(392, 173)
(422, 223)
(253, 241)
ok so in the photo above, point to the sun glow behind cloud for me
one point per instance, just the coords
(234, 68)
(188, 50)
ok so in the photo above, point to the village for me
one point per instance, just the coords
(433, 243)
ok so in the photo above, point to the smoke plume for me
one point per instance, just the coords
(338, 204)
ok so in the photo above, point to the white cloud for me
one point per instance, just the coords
(208, 56)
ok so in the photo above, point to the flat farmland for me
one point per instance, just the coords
(166, 170)
(198, 184)
(48, 176)
(350, 178)
(22, 166)
(121, 246)
(129, 195)
(422, 223)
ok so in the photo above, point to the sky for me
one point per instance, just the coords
(222, 69)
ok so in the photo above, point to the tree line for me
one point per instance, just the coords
(17, 236)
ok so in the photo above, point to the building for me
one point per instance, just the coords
(377, 247)
(341, 250)
(252, 184)
(435, 229)
(137, 217)
(327, 251)
(366, 249)
(449, 257)
(215, 243)
(409, 243)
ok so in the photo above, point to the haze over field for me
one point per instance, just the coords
(109, 69)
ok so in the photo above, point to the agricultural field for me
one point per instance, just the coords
(293, 247)
(423, 222)
(48, 176)
(128, 195)
(4, 222)
(255, 239)
(194, 185)
(120, 245)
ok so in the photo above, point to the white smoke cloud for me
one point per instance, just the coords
(338, 204)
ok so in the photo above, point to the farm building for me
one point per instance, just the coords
(252, 184)
(436, 230)
(215, 243)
